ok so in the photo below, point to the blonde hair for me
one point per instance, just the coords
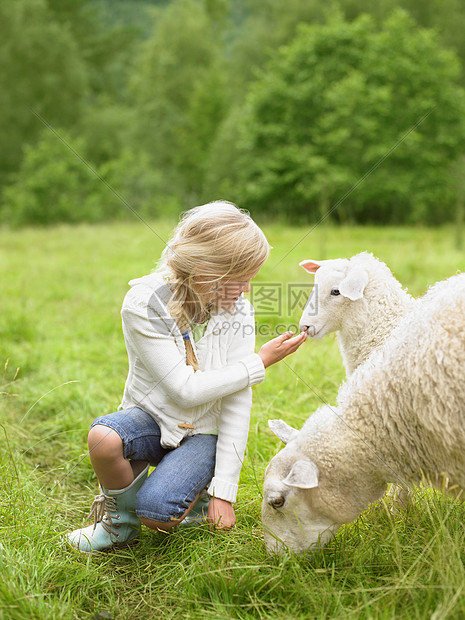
(216, 242)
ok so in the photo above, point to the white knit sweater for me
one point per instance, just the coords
(215, 398)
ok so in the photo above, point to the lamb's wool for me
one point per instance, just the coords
(399, 419)
(362, 324)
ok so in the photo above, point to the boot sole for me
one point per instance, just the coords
(123, 545)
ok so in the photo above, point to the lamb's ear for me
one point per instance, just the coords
(282, 430)
(354, 284)
(303, 475)
(310, 265)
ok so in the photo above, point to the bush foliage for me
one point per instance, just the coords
(282, 106)
(340, 101)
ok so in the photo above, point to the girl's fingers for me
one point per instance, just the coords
(294, 343)
(275, 350)
(296, 339)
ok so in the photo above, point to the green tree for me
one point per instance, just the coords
(446, 17)
(52, 184)
(135, 187)
(332, 105)
(179, 94)
(56, 183)
(265, 26)
(105, 47)
(106, 129)
(41, 70)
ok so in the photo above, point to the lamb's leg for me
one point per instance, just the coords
(400, 498)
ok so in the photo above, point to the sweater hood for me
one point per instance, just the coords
(152, 280)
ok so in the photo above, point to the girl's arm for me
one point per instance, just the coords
(233, 431)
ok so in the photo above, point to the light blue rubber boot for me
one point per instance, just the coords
(198, 513)
(115, 521)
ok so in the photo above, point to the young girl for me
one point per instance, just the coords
(190, 338)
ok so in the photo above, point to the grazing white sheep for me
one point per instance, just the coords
(360, 299)
(400, 418)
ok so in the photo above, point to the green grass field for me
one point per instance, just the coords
(63, 362)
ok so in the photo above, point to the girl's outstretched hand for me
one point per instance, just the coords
(221, 514)
(277, 349)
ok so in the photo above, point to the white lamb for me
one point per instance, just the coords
(360, 299)
(400, 418)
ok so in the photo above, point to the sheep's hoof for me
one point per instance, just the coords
(400, 500)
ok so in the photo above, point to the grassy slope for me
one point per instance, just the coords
(59, 324)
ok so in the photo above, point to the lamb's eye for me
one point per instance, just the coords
(277, 503)
(335, 292)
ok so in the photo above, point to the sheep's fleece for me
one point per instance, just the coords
(400, 418)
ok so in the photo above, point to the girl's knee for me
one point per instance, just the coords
(160, 525)
(104, 441)
(164, 515)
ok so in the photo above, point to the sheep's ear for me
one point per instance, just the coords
(354, 284)
(303, 475)
(310, 265)
(283, 431)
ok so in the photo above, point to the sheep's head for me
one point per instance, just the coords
(338, 283)
(290, 513)
(314, 484)
(294, 512)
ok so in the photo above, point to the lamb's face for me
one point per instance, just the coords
(293, 513)
(337, 285)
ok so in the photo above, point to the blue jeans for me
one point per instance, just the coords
(180, 474)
